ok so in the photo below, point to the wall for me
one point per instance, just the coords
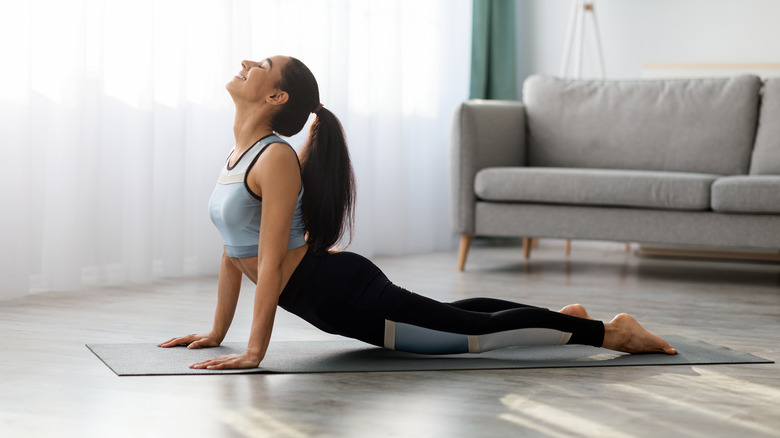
(635, 32)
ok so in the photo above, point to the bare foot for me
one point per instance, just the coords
(624, 333)
(577, 310)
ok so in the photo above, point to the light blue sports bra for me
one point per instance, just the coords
(236, 211)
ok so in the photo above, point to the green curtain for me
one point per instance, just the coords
(493, 52)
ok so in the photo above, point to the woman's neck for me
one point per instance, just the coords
(250, 126)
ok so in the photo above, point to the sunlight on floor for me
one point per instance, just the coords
(553, 421)
(711, 385)
(696, 405)
(255, 423)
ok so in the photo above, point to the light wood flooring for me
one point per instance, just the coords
(51, 385)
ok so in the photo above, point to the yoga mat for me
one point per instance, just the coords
(354, 356)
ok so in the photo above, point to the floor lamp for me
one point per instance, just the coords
(575, 37)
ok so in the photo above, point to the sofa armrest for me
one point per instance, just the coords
(485, 133)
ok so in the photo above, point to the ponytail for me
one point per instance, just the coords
(326, 172)
(329, 183)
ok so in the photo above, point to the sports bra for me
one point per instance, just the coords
(236, 211)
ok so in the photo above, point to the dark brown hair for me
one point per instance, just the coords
(326, 170)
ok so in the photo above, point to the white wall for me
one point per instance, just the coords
(114, 119)
(638, 32)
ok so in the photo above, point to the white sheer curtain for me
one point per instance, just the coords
(115, 122)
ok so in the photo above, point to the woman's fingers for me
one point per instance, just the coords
(219, 365)
(205, 363)
(216, 363)
(203, 343)
(227, 362)
(192, 341)
(195, 344)
(170, 343)
(181, 340)
(200, 364)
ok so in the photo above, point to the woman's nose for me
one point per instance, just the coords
(247, 64)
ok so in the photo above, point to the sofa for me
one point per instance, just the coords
(683, 162)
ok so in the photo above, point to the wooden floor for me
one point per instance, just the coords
(51, 385)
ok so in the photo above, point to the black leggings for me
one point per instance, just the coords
(346, 294)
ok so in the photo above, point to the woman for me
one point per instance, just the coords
(279, 218)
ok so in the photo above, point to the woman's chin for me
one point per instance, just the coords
(232, 86)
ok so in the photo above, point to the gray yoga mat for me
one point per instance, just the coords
(353, 356)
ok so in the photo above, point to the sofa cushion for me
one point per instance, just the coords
(747, 194)
(766, 153)
(684, 125)
(605, 187)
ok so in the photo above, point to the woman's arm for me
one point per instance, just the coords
(228, 290)
(227, 297)
(275, 177)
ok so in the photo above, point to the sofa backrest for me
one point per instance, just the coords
(686, 125)
(766, 153)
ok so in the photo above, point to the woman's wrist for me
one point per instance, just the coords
(218, 335)
(255, 354)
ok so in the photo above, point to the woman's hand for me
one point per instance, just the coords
(193, 341)
(231, 361)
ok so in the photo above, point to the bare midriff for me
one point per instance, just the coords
(248, 265)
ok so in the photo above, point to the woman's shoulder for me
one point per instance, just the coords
(272, 145)
(280, 151)
(276, 157)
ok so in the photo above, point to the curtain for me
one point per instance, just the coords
(493, 52)
(115, 123)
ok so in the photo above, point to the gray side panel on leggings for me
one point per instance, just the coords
(526, 337)
(414, 339)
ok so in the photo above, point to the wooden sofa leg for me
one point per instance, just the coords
(465, 243)
(527, 247)
(567, 249)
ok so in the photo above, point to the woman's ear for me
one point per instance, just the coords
(278, 98)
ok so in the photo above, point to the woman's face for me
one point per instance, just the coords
(258, 81)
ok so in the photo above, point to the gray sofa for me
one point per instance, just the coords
(680, 162)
